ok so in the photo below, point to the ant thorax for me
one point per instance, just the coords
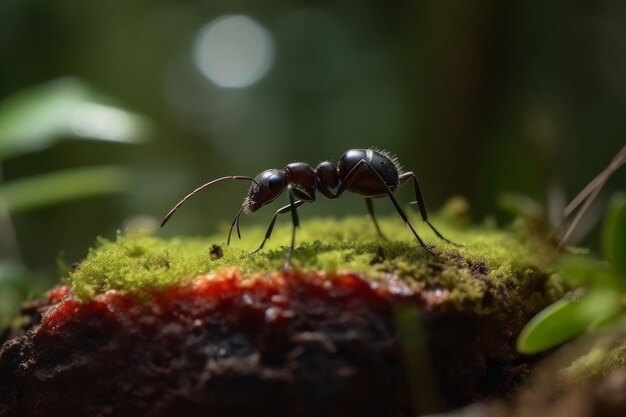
(301, 177)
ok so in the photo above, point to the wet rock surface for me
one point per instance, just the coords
(285, 345)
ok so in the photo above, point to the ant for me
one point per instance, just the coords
(367, 172)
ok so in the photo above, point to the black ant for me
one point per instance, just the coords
(366, 172)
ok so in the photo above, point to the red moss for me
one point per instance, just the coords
(287, 345)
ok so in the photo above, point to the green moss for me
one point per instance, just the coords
(604, 351)
(489, 257)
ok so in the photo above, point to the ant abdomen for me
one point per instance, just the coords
(368, 182)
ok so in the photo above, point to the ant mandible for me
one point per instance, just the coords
(367, 172)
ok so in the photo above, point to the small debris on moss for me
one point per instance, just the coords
(216, 252)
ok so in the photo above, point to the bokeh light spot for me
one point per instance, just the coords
(234, 51)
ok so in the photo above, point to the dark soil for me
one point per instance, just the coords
(282, 346)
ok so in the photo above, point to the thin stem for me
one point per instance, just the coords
(8, 236)
(590, 192)
(617, 162)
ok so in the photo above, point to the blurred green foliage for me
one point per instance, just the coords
(603, 285)
(34, 120)
(57, 187)
(614, 234)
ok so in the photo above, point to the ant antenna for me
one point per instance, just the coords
(202, 187)
(235, 221)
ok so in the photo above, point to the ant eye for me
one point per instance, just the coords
(275, 182)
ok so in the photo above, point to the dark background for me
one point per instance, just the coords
(477, 98)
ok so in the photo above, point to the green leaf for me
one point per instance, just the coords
(58, 187)
(66, 108)
(13, 275)
(614, 234)
(589, 272)
(16, 285)
(521, 205)
(567, 319)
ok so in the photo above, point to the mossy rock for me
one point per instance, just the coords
(359, 326)
(136, 261)
(589, 358)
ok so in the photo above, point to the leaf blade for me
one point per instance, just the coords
(35, 118)
(566, 319)
(614, 234)
(59, 187)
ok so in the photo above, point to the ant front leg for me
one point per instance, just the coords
(419, 200)
(362, 165)
(281, 210)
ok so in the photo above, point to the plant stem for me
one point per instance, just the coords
(9, 243)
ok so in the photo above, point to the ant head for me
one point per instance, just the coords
(267, 186)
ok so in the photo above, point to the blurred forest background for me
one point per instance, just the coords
(111, 111)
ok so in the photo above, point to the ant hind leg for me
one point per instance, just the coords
(370, 210)
(351, 177)
(419, 201)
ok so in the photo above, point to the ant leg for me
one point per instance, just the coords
(235, 221)
(351, 177)
(281, 210)
(370, 210)
(296, 223)
(419, 200)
